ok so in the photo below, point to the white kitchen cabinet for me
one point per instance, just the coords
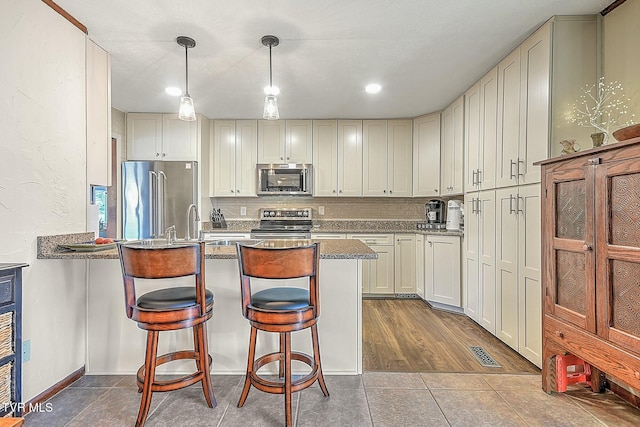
(405, 264)
(400, 158)
(234, 158)
(387, 158)
(325, 158)
(442, 270)
(281, 141)
(479, 258)
(164, 137)
(349, 158)
(518, 291)
(523, 110)
(420, 265)
(374, 158)
(451, 149)
(98, 87)
(337, 158)
(481, 108)
(426, 155)
(377, 274)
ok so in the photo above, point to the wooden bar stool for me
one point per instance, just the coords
(168, 309)
(282, 310)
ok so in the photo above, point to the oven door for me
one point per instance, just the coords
(280, 234)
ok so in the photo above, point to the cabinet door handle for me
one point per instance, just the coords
(478, 205)
(430, 243)
(511, 165)
(384, 191)
(473, 177)
(518, 169)
(333, 191)
(390, 191)
(435, 190)
(518, 198)
(560, 334)
(238, 191)
(587, 247)
(281, 158)
(478, 176)
(473, 205)
(232, 191)
(511, 210)
(157, 154)
(340, 191)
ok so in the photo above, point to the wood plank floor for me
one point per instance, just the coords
(407, 335)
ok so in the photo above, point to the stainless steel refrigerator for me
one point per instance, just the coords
(156, 195)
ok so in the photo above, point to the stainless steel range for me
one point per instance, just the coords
(283, 223)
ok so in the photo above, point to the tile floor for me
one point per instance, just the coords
(373, 399)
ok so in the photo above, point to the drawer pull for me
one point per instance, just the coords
(559, 334)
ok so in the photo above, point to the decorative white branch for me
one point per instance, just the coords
(603, 107)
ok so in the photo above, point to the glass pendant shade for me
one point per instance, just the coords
(271, 108)
(187, 112)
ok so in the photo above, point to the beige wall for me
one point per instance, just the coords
(621, 41)
(43, 186)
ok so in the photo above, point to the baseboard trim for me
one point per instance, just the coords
(53, 390)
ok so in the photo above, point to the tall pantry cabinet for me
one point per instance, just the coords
(591, 261)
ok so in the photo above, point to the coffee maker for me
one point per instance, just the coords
(434, 210)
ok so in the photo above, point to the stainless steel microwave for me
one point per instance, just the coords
(284, 179)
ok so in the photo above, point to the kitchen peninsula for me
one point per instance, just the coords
(115, 345)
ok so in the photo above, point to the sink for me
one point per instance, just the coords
(159, 243)
(233, 242)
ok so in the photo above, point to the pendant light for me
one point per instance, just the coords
(187, 112)
(270, 101)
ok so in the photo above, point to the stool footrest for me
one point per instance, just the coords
(174, 383)
(277, 387)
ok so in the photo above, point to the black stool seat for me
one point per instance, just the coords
(172, 298)
(281, 299)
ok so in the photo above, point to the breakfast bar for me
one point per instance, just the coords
(115, 345)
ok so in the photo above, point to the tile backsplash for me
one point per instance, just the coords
(395, 208)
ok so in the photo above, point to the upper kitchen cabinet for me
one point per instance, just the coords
(387, 158)
(234, 158)
(480, 136)
(163, 137)
(98, 87)
(281, 141)
(451, 149)
(337, 158)
(426, 155)
(523, 110)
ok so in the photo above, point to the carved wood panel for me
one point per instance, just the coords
(570, 284)
(625, 296)
(570, 210)
(625, 210)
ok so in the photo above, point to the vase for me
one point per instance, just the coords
(597, 138)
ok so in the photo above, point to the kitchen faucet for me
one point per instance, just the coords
(197, 218)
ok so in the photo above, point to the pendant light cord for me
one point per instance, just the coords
(186, 70)
(270, 68)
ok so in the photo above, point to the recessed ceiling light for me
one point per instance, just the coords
(373, 88)
(173, 91)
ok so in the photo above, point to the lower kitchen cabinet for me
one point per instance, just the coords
(377, 274)
(479, 258)
(405, 264)
(442, 270)
(420, 265)
(518, 288)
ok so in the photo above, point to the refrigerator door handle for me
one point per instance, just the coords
(153, 215)
(162, 185)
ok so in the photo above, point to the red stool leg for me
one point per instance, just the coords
(251, 357)
(316, 357)
(149, 377)
(202, 349)
(287, 378)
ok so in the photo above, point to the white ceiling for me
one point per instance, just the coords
(424, 53)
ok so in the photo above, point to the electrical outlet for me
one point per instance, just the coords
(26, 350)
(321, 210)
(243, 210)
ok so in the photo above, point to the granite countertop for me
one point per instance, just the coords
(48, 248)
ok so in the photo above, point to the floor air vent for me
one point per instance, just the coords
(484, 358)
